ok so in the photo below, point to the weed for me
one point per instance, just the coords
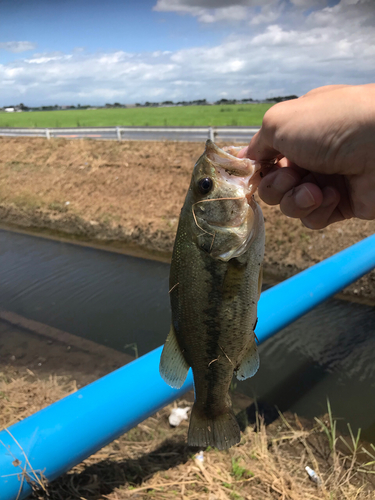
(57, 206)
(329, 430)
(305, 237)
(134, 347)
(233, 386)
(3, 396)
(355, 440)
(27, 200)
(17, 166)
(238, 471)
(105, 218)
(236, 496)
(372, 456)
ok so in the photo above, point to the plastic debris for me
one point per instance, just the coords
(178, 415)
(199, 456)
(313, 475)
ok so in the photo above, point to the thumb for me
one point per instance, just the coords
(260, 147)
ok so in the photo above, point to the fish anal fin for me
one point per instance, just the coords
(249, 364)
(173, 366)
(220, 431)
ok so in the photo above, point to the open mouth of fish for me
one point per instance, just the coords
(241, 172)
(229, 214)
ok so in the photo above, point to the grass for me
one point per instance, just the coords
(153, 461)
(215, 115)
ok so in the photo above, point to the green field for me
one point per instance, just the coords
(215, 115)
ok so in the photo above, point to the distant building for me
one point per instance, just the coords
(9, 110)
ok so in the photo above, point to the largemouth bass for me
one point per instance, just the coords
(215, 283)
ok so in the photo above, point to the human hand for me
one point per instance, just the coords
(327, 141)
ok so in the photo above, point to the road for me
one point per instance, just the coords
(232, 134)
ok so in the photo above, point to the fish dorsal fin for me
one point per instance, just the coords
(249, 364)
(173, 367)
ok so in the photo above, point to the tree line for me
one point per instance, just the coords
(147, 104)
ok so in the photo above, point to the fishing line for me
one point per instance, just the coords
(204, 201)
(173, 287)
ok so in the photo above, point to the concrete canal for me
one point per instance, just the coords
(122, 302)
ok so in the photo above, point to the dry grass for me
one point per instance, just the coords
(153, 461)
(131, 192)
(21, 396)
(103, 181)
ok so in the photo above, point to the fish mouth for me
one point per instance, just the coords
(227, 159)
(242, 172)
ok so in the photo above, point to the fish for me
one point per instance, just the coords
(215, 284)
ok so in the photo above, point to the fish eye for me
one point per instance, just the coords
(205, 185)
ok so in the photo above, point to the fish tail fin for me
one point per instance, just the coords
(221, 431)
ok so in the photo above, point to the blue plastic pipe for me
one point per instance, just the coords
(65, 433)
(291, 299)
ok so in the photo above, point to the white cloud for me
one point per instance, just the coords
(330, 45)
(253, 12)
(211, 11)
(40, 59)
(233, 13)
(307, 4)
(268, 14)
(189, 5)
(17, 46)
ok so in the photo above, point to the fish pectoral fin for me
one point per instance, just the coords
(249, 364)
(173, 366)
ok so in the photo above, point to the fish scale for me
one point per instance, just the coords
(215, 282)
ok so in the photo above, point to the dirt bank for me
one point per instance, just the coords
(153, 460)
(27, 346)
(130, 193)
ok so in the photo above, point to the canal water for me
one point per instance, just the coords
(122, 302)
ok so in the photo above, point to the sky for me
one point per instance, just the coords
(71, 52)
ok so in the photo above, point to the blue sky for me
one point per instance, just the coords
(98, 26)
(91, 52)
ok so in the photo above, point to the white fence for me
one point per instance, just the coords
(137, 133)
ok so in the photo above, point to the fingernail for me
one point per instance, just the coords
(283, 182)
(303, 198)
